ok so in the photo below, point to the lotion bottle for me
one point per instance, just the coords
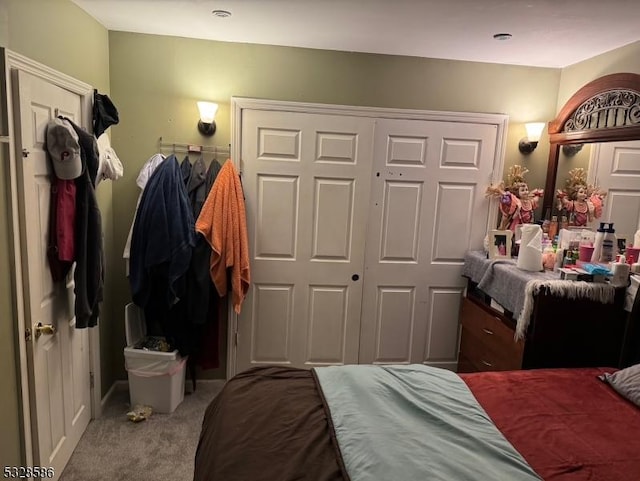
(597, 244)
(620, 271)
(608, 251)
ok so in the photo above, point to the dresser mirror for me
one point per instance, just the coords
(602, 111)
(570, 157)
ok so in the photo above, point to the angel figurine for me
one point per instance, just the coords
(517, 202)
(582, 201)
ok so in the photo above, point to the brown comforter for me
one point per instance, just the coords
(270, 424)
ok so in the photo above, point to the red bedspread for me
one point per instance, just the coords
(565, 422)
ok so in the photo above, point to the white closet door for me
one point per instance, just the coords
(306, 181)
(617, 167)
(427, 208)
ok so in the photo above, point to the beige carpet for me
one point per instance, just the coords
(160, 448)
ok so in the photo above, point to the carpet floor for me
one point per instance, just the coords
(161, 447)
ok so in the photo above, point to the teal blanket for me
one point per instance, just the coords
(415, 423)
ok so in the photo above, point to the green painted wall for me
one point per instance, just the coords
(625, 59)
(156, 81)
(60, 35)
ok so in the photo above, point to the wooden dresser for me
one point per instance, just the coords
(487, 342)
(561, 333)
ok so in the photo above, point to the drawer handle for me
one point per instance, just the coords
(487, 331)
(486, 363)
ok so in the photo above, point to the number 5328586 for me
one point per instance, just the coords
(23, 472)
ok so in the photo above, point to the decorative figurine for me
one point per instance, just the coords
(583, 202)
(517, 203)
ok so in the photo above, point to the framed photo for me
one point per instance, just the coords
(500, 244)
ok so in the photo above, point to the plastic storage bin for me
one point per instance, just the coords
(156, 378)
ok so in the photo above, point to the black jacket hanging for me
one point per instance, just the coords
(89, 272)
(105, 113)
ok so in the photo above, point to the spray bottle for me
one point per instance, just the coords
(597, 243)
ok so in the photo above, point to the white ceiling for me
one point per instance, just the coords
(546, 33)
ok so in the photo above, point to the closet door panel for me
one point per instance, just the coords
(306, 181)
(395, 318)
(427, 209)
(441, 343)
(271, 331)
(328, 316)
(452, 228)
(277, 217)
(278, 144)
(401, 221)
(332, 219)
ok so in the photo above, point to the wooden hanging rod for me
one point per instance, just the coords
(193, 148)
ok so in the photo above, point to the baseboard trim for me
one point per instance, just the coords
(115, 386)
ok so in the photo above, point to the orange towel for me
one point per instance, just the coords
(223, 223)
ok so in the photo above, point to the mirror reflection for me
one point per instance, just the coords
(579, 202)
(617, 174)
(568, 161)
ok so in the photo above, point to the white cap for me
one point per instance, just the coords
(64, 149)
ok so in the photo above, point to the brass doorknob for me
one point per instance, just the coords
(41, 329)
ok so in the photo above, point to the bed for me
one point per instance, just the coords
(277, 423)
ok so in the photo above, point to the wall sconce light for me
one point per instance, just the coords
(530, 142)
(207, 124)
(571, 149)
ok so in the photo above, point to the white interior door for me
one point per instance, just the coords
(427, 209)
(306, 182)
(617, 169)
(58, 363)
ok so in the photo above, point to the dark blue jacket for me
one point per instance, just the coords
(163, 238)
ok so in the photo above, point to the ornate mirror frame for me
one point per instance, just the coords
(604, 110)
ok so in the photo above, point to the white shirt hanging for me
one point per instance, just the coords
(143, 177)
(109, 165)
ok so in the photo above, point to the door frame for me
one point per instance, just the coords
(239, 104)
(14, 61)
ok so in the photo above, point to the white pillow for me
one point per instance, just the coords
(626, 382)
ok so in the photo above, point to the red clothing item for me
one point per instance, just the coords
(66, 219)
(62, 228)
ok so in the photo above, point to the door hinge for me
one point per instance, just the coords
(92, 380)
(235, 338)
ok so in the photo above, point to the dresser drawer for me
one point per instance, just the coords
(487, 341)
(464, 364)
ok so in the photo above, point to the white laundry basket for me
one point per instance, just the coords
(156, 378)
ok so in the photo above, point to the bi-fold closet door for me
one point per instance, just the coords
(357, 228)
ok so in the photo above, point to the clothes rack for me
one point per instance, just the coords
(182, 147)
